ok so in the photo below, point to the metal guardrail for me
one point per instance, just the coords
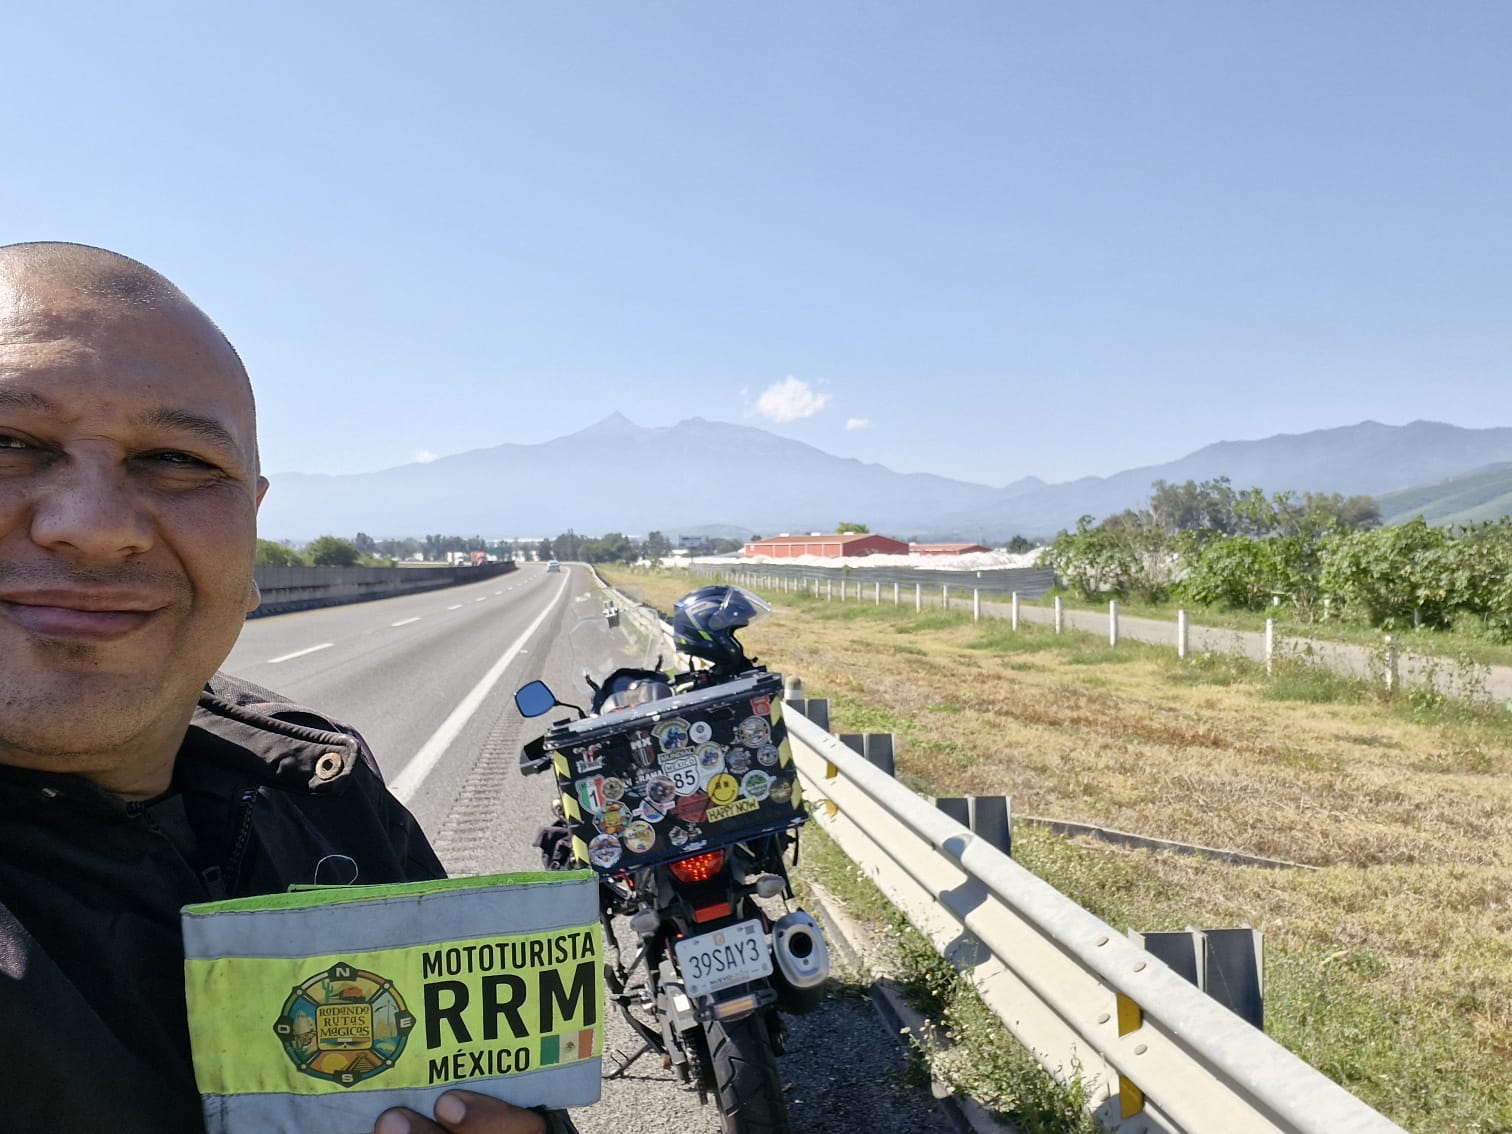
(1159, 1054)
(1155, 1054)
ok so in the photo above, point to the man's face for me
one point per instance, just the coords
(128, 501)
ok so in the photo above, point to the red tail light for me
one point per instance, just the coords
(697, 868)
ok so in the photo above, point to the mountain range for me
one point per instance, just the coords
(619, 476)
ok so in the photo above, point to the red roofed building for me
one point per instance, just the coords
(945, 548)
(830, 546)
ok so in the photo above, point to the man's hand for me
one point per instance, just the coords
(463, 1112)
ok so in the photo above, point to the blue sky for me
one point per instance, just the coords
(980, 239)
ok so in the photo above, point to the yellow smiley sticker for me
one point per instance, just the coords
(722, 789)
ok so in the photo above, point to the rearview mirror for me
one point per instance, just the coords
(535, 699)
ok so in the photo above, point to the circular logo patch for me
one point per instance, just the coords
(604, 851)
(756, 784)
(344, 1025)
(723, 789)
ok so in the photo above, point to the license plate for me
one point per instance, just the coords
(729, 956)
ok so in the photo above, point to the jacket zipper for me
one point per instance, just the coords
(243, 837)
(210, 877)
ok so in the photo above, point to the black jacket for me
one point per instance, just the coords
(93, 1036)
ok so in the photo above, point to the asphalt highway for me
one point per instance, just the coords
(429, 680)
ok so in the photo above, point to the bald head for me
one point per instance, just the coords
(90, 271)
(128, 513)
(58, 280)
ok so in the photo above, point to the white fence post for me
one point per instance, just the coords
(918, 598)
(1014, 617)
(1182, 632)
(1060, 614)
(976, 604)
(945, 596)
(876, 594)
(1270, 646)
(895, 594)
(829, 589)
(1112, 622)
(842, 589)
(1391, 666)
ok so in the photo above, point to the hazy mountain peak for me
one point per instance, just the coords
(615, 425)
(744, 475)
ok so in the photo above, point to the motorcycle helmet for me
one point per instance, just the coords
(704, 624)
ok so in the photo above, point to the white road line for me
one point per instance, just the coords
(300, 653)
(457, 607)
(483, 599)
(405, 621)
(407, 782)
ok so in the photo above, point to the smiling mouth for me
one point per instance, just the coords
(73, 622)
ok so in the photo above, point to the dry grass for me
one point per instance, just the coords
(1391, 967)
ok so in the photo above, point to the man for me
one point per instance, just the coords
(133, 778)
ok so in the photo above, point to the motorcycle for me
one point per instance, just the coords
(679, 791)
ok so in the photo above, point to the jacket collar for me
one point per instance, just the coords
(269, 737)
(237, 726)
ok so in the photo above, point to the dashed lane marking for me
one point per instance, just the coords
(407, 782)
(300, 653)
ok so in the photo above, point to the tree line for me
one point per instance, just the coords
(1205, 544)
(362, 550)
(616, 547)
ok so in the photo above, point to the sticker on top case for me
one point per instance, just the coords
(753, 732)
(671, 735)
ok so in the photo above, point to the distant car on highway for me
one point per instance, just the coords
(553, 566)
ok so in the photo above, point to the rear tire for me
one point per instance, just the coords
(746, 1083)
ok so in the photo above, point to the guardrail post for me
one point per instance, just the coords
(1060, 614)
(1014, 617)
(992, 820)
(918, 598)
(1235, 972)
(1270, 646)
(879, 751)
(815, 709)
(1227, 964)
(989, 817)
(1112, 622)
(876, 748)
(1183, 634)
(976, 604)
(957, 807)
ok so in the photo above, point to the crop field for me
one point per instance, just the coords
(1388, 967)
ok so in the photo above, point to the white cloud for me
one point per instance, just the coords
(423, 456)
(789, 400)
(854, 423)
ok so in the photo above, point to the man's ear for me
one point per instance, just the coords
(254, 596)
